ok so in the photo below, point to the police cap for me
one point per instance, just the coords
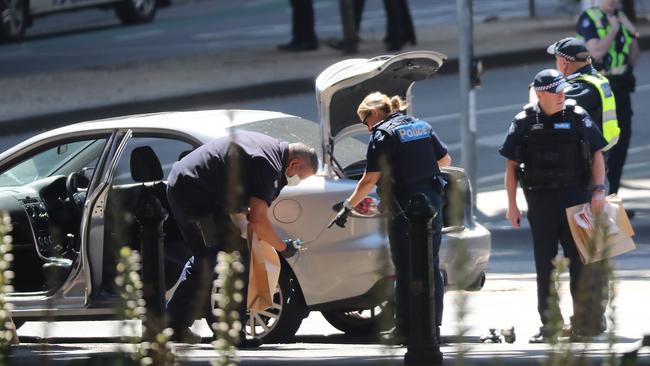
(570, 48)
(550, 80)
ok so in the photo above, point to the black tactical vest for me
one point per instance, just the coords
(553, 154)
(413, 157)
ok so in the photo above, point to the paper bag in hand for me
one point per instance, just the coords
(619, 236)
(264, 274)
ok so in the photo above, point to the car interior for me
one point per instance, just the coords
(145, 175)
(43, 195)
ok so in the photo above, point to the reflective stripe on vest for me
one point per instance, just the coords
(618, 59)
(610, 128)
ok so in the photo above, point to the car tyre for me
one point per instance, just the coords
(13, 20)
(135, 11)
(364, 321)
(280, 322)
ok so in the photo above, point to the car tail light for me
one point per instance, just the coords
(368, 207)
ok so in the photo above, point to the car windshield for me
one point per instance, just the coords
(351, 149)
(290, 129)
(62, 159)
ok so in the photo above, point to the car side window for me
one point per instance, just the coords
(168, 151)
(62, 159)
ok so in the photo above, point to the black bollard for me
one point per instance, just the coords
(422, 347)
(151, 215)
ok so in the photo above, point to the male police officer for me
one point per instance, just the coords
(553, 150)
(611, 40)
(589, 88)
(403, 158)
(240, 173)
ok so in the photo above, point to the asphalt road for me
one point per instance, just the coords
(93, 38)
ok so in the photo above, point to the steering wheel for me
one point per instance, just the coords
(72, 183)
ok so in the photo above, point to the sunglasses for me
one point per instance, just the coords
(365, 119)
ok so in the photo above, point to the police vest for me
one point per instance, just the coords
(610, 128)
(413, 157)
(553, 155)
(618, 53)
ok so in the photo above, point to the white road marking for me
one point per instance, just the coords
(643, 88)
(140, 35)
(480, 112)
(493, 140)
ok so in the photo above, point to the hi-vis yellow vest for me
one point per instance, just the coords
(610, 128)
(618, 53)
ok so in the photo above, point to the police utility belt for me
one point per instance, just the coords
(553, 155)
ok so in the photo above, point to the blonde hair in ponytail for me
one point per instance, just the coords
(382, 102)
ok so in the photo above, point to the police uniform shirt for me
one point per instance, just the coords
(585, 94)
(590, 132)
(381, 145)
(201, 178)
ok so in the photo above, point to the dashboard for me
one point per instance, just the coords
(40, 216)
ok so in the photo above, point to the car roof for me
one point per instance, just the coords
(201, 125)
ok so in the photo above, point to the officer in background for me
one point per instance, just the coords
(403, 158)
(588, 88)
(554, 151)
(242, 173)
(593, 93)
(611, 39)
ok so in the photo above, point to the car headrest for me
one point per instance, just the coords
(145, 166)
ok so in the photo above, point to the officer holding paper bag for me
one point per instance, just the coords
(553, 150)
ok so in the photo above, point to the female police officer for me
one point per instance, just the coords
(403, 158)
(554, 150)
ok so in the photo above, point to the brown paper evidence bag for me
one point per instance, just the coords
(264, 273)
(615, 244)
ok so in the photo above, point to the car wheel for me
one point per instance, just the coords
(13, 19)
(362, 322)
(135, 11)
(280, 322)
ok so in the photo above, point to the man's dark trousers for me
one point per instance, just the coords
(618, 153)
(192, 298)
(302, 21)
(548, 223)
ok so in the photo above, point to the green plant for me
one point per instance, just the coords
(560, 352)
(132, 307)
(7, 327)
(228, 327)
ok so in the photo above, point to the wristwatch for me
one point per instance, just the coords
(599, 188)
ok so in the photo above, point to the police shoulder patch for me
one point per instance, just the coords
(379, 136)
